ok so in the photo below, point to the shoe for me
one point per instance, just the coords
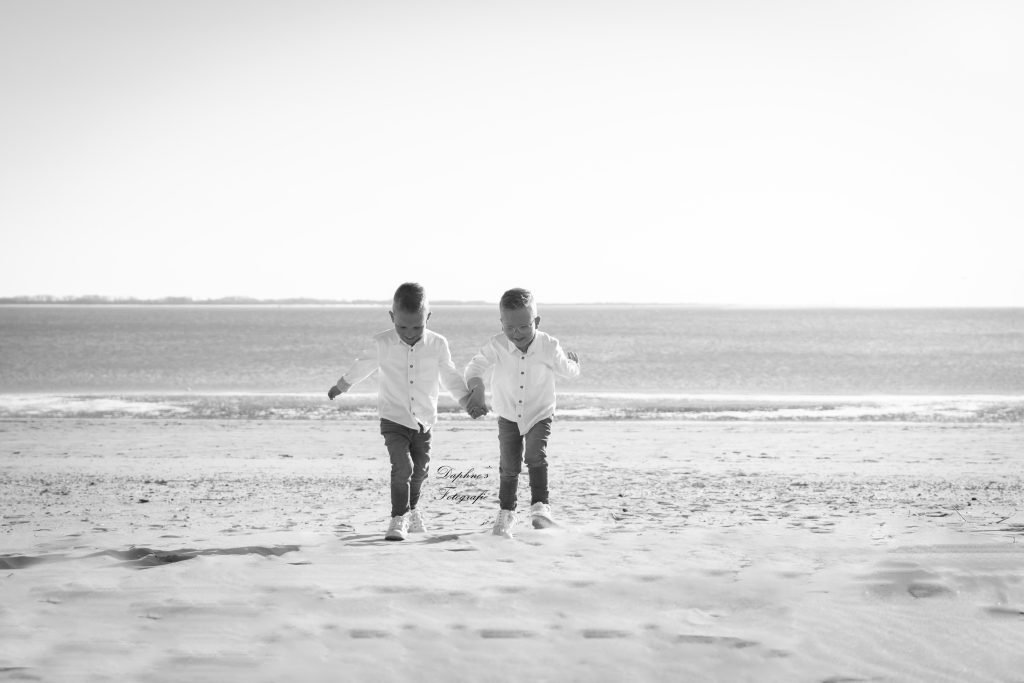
(504, 523)
(397, 529)
(540, 516)
(416, 524)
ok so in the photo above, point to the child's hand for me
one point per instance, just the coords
(341, 387)
(476, 406)
(573, 356)
(476, 409)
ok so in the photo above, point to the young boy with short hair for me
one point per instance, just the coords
(523, 363)
(410, 359)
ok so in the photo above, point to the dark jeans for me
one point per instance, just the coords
(410, 463)
(514, 448)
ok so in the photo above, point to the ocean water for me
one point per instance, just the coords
(638, 361)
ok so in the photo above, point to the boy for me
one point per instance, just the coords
(525, 363)
(410, 359)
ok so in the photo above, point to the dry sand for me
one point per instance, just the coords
(195, 550)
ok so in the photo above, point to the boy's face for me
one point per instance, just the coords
(410, 326)
(520, 326)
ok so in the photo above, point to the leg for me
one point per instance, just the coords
(419, 450)
(397, 440)
(510, 445)
(537, 460)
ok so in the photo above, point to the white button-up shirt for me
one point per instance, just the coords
(408, 380)
(523, 382)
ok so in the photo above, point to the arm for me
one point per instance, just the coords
(475, 371)
(451, 378)
(362, 368)
(566, 365)
(478, 367)
(476, 402)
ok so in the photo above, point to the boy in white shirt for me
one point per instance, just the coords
(524, 363)
(410, 359)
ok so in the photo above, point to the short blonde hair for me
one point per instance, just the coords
(411, 297)
(517, 298)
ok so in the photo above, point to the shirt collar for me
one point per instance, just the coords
(419, 342)
(512, 348)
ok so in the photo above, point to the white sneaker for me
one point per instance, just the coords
(540, 516)
(416, 524)
(504, 523)
(397, 529)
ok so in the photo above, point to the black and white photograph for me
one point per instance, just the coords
(511, 340)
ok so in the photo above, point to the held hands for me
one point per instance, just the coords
(476, 406)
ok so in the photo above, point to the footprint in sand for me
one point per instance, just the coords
(928, 590)
(1005, 612)
(592, 633)
(393, 590)
(495, 633)
(365, 633)
(650, 578)
(727, 641)
(900, 577)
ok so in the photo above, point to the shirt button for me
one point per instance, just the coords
(411, 382)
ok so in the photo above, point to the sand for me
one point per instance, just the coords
(218, 550)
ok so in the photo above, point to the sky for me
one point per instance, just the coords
(734, 152)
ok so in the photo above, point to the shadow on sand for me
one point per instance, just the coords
(144, 558)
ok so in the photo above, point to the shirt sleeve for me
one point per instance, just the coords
(450, 377)
(482, 362)
(364, 365)
(563, 366)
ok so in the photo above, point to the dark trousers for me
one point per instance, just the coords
(410, 463)
(514, 449)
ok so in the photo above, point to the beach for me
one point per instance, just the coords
(166, 549)
(790, 450)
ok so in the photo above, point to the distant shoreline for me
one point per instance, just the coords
(297, 301)
(189, 301)
(90, 300)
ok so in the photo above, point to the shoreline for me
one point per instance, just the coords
(311, 302)
(581, 406)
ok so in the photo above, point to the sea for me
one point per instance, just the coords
(639, 361)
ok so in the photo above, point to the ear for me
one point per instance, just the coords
(428, 316)
(536, 322)
(392, 314)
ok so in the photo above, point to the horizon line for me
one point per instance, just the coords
(101, 300)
